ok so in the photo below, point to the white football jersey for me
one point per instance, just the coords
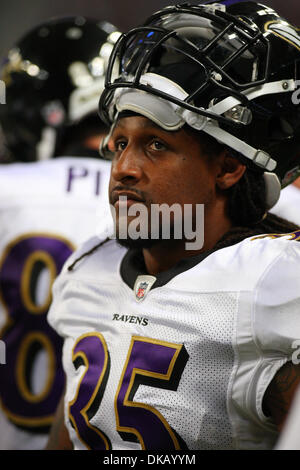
(46, 210)
(288, 205)
(178, 360)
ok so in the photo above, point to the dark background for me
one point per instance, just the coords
(18, 16)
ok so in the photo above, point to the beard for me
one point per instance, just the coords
(138, 244)
(145, 225)
(147, 241)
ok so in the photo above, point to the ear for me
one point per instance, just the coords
(230, 171)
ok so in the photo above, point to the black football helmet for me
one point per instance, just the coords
(227, 68)
(53, 77)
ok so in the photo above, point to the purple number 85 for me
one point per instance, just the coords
(27, 331)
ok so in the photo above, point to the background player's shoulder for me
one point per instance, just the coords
(288, 204)
(68, 177)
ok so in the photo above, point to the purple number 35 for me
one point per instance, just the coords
(149, 362)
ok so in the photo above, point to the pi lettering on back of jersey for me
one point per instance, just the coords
(79, 175)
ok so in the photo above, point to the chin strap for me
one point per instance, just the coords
(259, 157)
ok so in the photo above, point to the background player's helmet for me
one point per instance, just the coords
(229, 69)
(53, 77)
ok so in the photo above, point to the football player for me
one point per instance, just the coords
(48, 205)
(170, 346)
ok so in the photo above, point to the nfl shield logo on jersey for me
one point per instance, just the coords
(142, 286)
(141, 290)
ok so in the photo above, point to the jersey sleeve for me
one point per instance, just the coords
(276, 315)
(268, 330)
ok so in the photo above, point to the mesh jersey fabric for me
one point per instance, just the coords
(230, 322)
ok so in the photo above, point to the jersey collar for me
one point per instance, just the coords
(133, 265)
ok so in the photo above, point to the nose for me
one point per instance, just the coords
(127, 167)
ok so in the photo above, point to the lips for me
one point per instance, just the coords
(130, 195)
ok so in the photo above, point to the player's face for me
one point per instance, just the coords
(152, 167)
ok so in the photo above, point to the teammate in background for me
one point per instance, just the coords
(168, 346)
(288, 205)
(48, 205)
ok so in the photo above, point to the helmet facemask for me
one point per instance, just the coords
(212, 70)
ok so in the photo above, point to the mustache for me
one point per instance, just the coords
(120, 190)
